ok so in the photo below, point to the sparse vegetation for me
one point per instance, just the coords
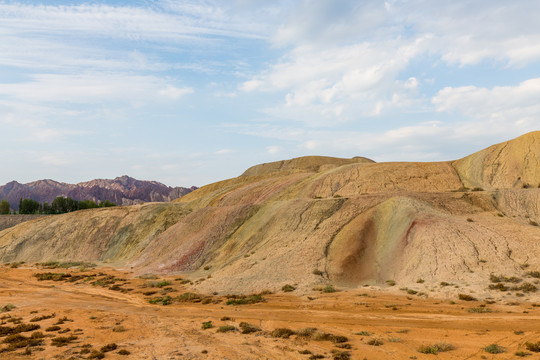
(226, 328)
(207, 325)
(246, 328)
(317, 272)
(60, 341)
(494, 349)
(375, 342)
(390, 282)
(500, 278)
(466, 297)
(479, 310)
(288, 288)
(164, 300)
(109, 347)
(7, 308)
(534, 347)
(436, 348)
(282, 333)
(328, 289)
(243, 299)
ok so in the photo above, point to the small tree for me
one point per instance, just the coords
(4, 207)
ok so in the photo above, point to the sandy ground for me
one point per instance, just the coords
(98, 315)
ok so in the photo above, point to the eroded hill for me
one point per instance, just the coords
(318, 220)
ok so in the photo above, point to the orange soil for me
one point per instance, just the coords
(174, 331)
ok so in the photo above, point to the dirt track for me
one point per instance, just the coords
(99, 316)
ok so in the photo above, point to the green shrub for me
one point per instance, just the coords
(288, 288)
(207, 325)
(244, 300)
(435, 348)
(226, 328)
(494, 349)
(165, 300)
(328, 289)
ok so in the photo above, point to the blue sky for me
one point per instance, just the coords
(192, 92)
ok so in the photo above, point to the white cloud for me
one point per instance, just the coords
(224, 151)
(507, 107)
(175, 93)
(90, 88)
(274, 149)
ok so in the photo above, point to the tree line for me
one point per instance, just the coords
(60, 205)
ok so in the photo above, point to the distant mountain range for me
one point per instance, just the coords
(123, 190)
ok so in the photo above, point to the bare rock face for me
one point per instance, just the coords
(316, 220)
(123, 190)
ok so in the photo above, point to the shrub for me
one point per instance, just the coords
(500, 278)
(63, 340)
(95, 354)
(522, 353)
(109, 347)
(534, 347)
(207, 325)
(328, 289)
(247, 328)
(375, 342)
(163, 283)
(363, 333)
(435, 348)
(340, 355)
(53, 328)
(43, 317)
(8, 330)
(189, 297)
(243, 300)
(6, 308)
(480, 310)
(534, 274)
(466, 297)
(282, 333)
(317, 272)
(494, 349)
(165, 300)
(391, 282)
(226, 328)
(288, 288)
(498, 286)
(525, 287)
(124, 352)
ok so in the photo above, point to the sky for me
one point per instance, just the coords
(192, 92)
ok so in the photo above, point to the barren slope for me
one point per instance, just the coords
(352, 220)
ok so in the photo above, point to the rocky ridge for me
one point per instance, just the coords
(122, 190)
